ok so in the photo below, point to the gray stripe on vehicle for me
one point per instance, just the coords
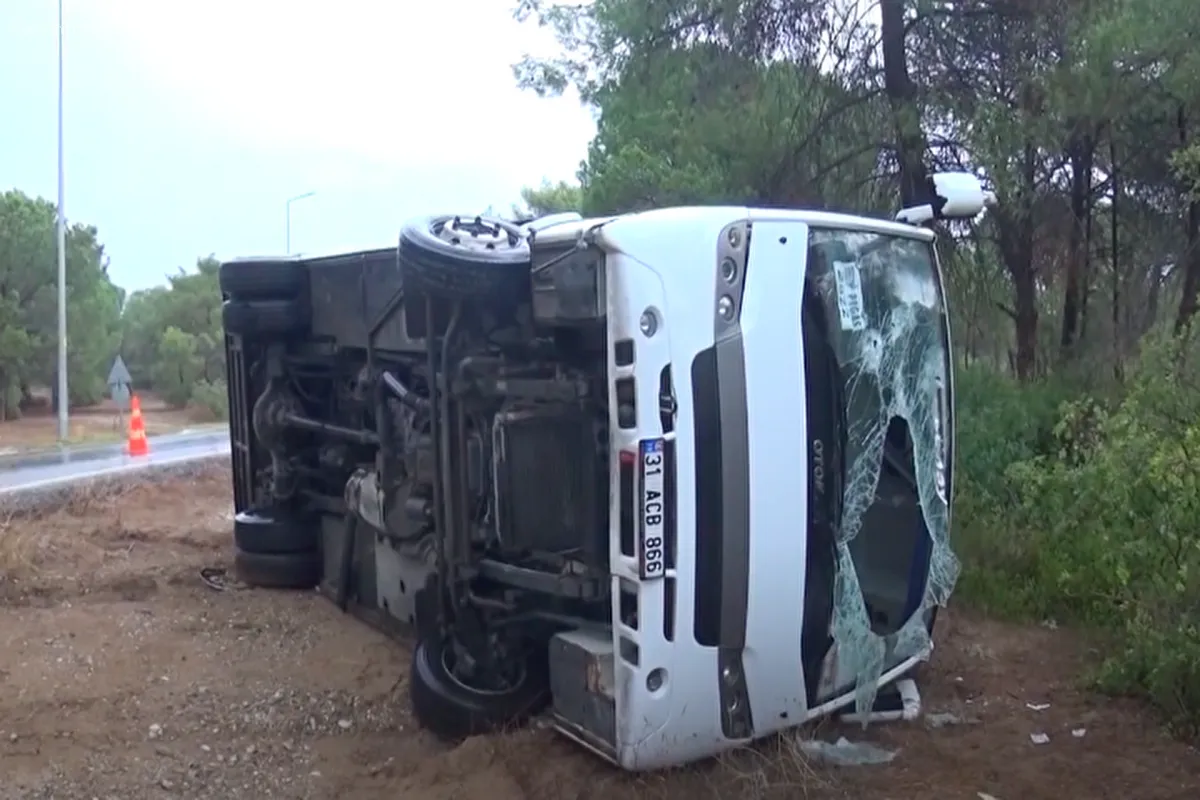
(735, 489)
(729, 348)
(733, 245)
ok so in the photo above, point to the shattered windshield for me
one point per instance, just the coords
(888, 337)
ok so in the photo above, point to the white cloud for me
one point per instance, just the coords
(189, 124)
(392, 84)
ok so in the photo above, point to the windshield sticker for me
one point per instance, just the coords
(892, 357)
(849, 296)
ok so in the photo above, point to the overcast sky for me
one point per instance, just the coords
(189, 125)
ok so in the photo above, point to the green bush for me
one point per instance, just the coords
(999, 423)
(211, 398)
(1098, 524)
(178, 369)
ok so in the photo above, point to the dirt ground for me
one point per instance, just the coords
(98, 424)
(123, 675)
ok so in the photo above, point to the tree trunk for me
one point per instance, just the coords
(1191, 270)
(902, 98)
(1154, 280)
(1190, 263)
(1016, 248)
(1080, 153)
(1015, 228)
(1027, 323)
(1118, 341)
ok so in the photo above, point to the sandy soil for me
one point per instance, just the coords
(122, 675)
(97, 424)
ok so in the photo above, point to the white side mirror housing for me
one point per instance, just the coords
(952, 195)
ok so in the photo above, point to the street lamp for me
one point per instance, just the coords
(63, 397)
(291, 200)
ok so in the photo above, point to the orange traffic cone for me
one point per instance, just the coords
(138, 446)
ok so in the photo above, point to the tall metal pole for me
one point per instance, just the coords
(291, 200)
(63, 396)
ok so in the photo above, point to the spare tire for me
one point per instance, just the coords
(465, 258)
(262, 278)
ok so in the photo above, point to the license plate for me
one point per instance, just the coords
(652, 530)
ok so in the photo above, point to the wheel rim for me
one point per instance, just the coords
(477, 235)
(510, 686)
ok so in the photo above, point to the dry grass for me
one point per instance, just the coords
(771, 770)
(73, 526)
(535, 763)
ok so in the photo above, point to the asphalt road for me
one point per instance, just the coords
(48, 469)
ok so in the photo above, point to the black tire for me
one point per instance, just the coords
(262, 278)
(465, 258)
(265, 317)
(291, 571)
(452, 711)
(265, 534)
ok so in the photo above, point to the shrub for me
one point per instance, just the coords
(999, 423)
(1099, 524)
(178, 369)
(211, 399)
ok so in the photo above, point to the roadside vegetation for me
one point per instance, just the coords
(170, 336)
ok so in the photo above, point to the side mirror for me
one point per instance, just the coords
(951, 195)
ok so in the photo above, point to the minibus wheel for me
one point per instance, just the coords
(454, 708)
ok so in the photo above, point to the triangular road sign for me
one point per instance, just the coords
(119, 374)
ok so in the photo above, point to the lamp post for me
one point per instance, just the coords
(63, 396)
(291, 200)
